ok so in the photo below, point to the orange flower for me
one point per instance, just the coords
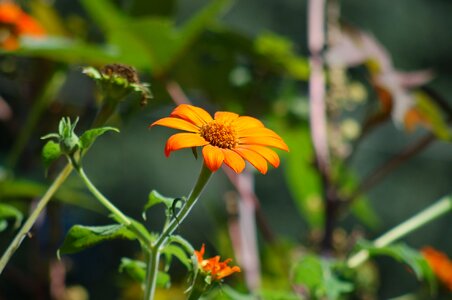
(227, 138)
(440, 264)
(213, 266)
(15, 23)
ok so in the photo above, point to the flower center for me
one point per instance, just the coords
(219, 134)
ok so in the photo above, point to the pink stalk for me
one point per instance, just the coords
(316, 41)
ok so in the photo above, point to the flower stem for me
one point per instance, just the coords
(427, 215)
(152, 273)
(187, 206)
(157, 247)
(14, 245)
(118, 215)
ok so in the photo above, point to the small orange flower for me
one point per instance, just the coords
(440, 264)
(15, 23)
(227, 138)
(213, 267)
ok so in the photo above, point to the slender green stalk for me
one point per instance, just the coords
(59, 180)
(152, 273)
(119, 215)
(46, 97)
(157, 247)
(14, 245)
(203, 178)
(439, 208)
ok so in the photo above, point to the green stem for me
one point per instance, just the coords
(157, 247)
(187, 206)
(427, 215)
(14, 245)
(46, 97)
(118, 215)
(59, 180)
(152, 273)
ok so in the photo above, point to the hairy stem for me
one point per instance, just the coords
(434, 211)
(118, 214)
(14, 245)
(157, 247)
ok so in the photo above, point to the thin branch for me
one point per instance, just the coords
(380, 172)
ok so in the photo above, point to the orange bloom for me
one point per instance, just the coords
(213, 266)
(227, 138)
(15, 23)
(440, 264)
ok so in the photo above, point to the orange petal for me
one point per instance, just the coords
(225, 116)
(183, 140)
(233, 160)
(193, 114)
(176, 124)
(270, 155)
(258, 132)
(213, 157)
(254, 158)
(245, 122)
(264, 141)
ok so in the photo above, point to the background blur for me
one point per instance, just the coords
(235, 61)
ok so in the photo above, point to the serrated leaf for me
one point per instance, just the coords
(50, 152)
(136, 269)
(10, 212)
(81, 237)
(89, 136)
(318, 277)
(407, 255)
(156, 198)
(179, 253)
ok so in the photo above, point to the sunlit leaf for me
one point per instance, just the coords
(155, 198)
(81, 237)
(407, 255)
(89, 136)
(10, 212)
(178, 252)
(317, 276)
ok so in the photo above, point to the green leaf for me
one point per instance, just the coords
(430, 109)
(105, 14)
(178, 252)
(136, 269)
(407, 255)
(8, 212)
(318, 277)
(155, 198)
(89, 136)
(81, 237)
(50, 152)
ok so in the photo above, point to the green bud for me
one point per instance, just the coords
(117, 81)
